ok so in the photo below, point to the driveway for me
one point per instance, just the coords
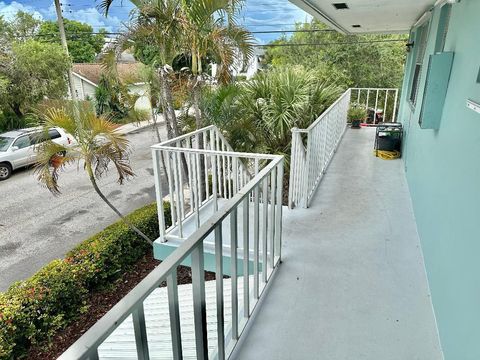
(37, 227)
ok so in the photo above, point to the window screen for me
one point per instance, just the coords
(421, 39)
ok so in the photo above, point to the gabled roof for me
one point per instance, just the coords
(128, 72)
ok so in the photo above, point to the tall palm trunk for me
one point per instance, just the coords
(197, 93)
(168, 101)
(115, 210)
(159, 139)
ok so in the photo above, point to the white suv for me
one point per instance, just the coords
(17, 148)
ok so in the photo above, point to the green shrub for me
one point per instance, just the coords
(33, 310)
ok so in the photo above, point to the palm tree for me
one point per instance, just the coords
(158, 23)
(97, 144)
(210, 31)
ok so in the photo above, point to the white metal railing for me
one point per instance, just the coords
(312, 150)
(381, 103)
(257, 190)
(192, 176)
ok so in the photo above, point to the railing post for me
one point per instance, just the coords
(293, 168)
(140, 331)
(273, 193)
(173, 306)
(278, 213)
(173, 211)
(158, 193)
(199, 305)
(93, 354)
(246, 256)
(305, 190)
(219, 292)
(234, 272)
(265, 228)
(385, 106)
(256, 237)
(394, 115)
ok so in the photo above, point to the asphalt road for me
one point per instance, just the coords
(37, 227)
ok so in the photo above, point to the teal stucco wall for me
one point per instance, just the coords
(443, 172)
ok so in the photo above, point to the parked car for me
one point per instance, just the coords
(17, 148)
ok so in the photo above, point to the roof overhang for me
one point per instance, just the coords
(368, 16)
(84, 78)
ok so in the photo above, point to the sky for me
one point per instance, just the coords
(258, 15)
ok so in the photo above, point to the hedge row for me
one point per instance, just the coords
(33, 310)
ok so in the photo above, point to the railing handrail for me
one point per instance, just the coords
(369, 88)
(185, 136)
(216, 152)
(195, 132)
(97, 334)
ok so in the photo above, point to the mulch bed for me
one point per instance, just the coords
(101, 302)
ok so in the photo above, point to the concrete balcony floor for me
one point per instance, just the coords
(352, 284)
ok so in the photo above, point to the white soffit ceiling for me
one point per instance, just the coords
(373, 16)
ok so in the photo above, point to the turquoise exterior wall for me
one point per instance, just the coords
(443, 172)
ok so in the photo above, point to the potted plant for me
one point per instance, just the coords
(355, 115)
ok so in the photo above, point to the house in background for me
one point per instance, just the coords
(87, 77)
(247, 71)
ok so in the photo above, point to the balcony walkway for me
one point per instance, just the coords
(352, 284)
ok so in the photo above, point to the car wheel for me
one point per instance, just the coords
(5, 171)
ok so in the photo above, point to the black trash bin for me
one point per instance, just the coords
(389, 137)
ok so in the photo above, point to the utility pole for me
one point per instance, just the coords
(63, 39)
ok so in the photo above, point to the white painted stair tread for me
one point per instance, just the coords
(121, 343)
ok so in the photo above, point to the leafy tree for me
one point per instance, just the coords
(258, 114)
(22, 27)
(83, 44)
(366, 61)
(29, 72)
(97, 145)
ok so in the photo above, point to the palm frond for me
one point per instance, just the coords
(59, 117)
(108, 153)
(52, 159)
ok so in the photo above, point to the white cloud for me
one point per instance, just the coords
(8, 11)
(89, 15)
(93, 17)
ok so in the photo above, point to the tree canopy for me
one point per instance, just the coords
(83, 44)
(357, 61)
(29, 72)
(33, 65)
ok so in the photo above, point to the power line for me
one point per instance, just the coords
(292, 31)
(333, 43)
(120, 33)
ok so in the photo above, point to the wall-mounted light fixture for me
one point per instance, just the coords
(409, 46)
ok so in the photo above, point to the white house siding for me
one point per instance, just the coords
(84, 89)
